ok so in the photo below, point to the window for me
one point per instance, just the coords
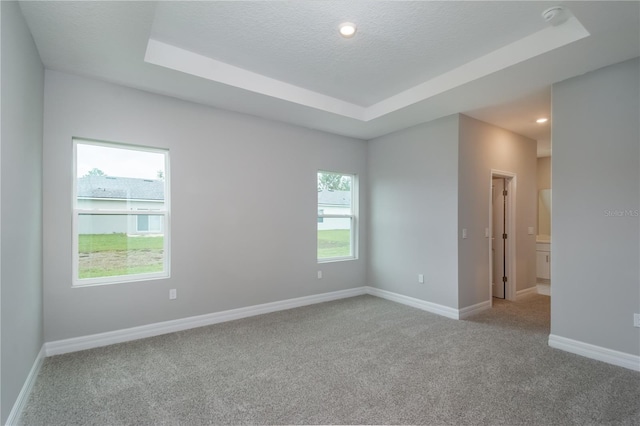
(149, 223)
(121, 213)
(336, 216)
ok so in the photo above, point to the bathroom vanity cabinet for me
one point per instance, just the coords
(543, 260)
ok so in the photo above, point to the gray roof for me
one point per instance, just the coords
(334, 198)
(120, 188)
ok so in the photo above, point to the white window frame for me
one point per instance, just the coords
(353, 218)
(165, 212)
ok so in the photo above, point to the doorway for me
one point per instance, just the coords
(502, 232)
(499, 237)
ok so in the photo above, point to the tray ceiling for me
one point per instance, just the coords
(409, 62)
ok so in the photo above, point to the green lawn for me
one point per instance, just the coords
(91, 243)
(334, 243)
(108, 255)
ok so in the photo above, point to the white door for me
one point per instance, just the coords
(498, 243)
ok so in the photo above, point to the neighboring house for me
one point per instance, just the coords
(333, 202)
(120, 194)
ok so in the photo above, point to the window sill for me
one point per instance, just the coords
(337, 259)
(121, 279)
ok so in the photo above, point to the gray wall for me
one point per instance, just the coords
(484, 147)
(413, 183)
(244, 207)
(428, 182)
(595, 261)
(21, 215)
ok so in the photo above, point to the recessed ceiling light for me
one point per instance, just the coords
(542, 120)
(347, 29)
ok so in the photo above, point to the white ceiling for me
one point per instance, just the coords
(409, 62)
(399, 44)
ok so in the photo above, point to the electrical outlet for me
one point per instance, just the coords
(173, 294)
(319, 275)
(636, 320)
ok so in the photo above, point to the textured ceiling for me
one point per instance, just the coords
(410, 62)
(397, 46)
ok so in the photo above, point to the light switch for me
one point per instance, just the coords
(464, 233)
(531, 230)
(421, 278)
(486, 232)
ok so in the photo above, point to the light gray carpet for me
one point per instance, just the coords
(362, 360)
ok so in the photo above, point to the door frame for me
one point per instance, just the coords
(511, 184)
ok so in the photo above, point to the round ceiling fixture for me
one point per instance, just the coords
(556, 15)
(542, 120)
(347, 29)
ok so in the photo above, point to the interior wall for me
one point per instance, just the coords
(595, 261)
(21, 206)
(544, 182)
(544, 172)
(484, 147)
(243, 213)
(413, 184)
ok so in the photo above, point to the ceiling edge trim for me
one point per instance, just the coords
(178, 59)
(536, 44)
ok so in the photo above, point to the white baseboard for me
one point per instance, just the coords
(544, 289)
(75, 344)
(474, 309)
(125, 335)
(526, 291)
(599, 353)
(416, 303)
(119, 336)
(16, 412)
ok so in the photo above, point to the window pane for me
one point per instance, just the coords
(114, 178)
(334, 193)
(335, 198)
(334, 238)
(111, 245)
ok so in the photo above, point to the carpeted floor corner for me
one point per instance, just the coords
(362, 360)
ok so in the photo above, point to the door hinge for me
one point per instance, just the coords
(504, 279)
(504, 236)
(504, 192)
